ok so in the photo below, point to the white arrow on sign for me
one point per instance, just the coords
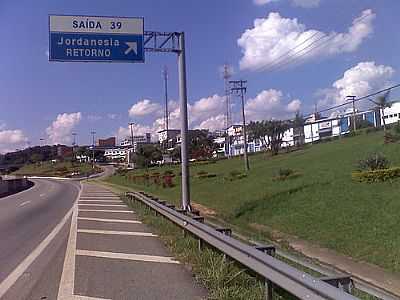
(132, 46)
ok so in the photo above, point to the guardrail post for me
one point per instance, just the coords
(269, 290)
(269, 286)
(343, 282)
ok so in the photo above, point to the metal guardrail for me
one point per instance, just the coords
(275, 272)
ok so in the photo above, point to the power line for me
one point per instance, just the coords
(294, 56)
(271, 64)
(358, 99)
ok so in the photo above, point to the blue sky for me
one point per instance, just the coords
(34, 91)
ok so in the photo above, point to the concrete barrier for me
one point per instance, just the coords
(12, 186)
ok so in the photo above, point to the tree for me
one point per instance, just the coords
(258, 130)
(201, 145)
(275, 132)
(269, 132)
(298, 129)
(146, 155)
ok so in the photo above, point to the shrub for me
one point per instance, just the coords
(207, 175)
(284, 174)
(373, 162)
(380, 175)
(235, 175)
(169, 172)
(168, 181)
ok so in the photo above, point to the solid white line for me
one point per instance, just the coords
(110, 220)
(24, 265)
(66, 288)
(93, 204)
(106, 210)
(111, 232)
(24, 203)
(135, 257)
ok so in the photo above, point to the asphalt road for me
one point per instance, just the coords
(70, 241)
(26, 220)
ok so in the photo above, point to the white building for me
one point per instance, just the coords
(119, 154)
(391, 114)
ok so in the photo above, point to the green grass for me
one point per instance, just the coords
(61, 169)
(322, 205)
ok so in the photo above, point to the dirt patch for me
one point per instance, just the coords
(204, 210)
(273, 233)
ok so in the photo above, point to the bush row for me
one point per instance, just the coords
(377, 175)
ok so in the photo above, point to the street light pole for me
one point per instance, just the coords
(166, 122)
(131, 153)
(239, 87)
(93, 143)
(353, 99)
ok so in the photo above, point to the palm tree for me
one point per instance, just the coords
(382, 102)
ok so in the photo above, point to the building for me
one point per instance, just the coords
(138, 139)
(116, 154)
(168, 135)
(391, 114)
(109, 142)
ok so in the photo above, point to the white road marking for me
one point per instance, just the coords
(66, 288)
(135, 257)
(78, 297)
(106, 210)
(24, 203)
(24, 265)
(111, 201)
(41, 195)
(94, 204)
(111, 232)
(110, 220)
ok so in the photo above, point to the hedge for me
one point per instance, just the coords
(376, 176)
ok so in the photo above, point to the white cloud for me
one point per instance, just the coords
(213, 123)
(306, 3)
(125, 132)
(269, 104)
(143, 108)
(360, 80)
(94, 118)
(300, 3)
(274, 37)
(60, 130)
(112, 116)
(12, 139)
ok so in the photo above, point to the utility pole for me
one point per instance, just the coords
(166, 117)
(240, 88)
(74, 139)
(228, 120)
(131, 127)
(93, 133)
(353, 99)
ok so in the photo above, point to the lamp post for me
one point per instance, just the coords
(353, 99)
(93, 133)
(131, 124)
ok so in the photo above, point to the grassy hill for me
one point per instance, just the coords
(61, 169)
(322, 204)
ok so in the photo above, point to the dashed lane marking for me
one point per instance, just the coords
(94, 204)
(110, 220)
(107, 210)
(24, 203)
(125, 256)
(111, 232)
